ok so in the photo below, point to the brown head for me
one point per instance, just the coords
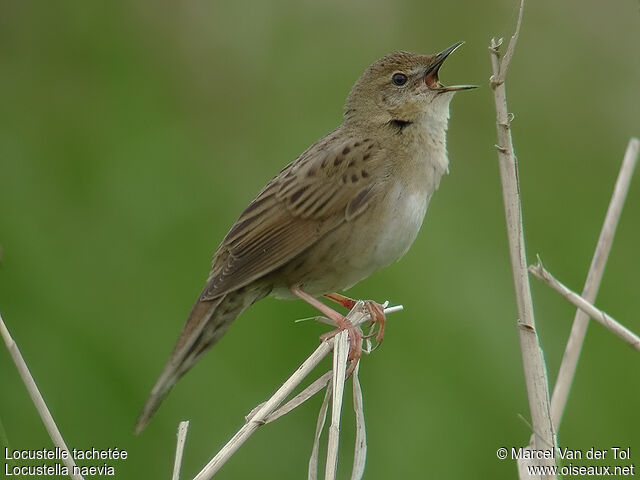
(401, 87)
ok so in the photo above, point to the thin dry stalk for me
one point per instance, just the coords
(581, 321)
(36, 398)
(302, 397)
(183, 428)
(264, 411)
(322, 417)
(576, 300)
(533, 360)
(340, 353)
(360, 450)
(269, 410)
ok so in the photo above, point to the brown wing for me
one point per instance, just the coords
(327, 185)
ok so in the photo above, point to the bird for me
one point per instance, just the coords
(349, 205)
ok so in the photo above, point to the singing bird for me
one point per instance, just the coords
(351, 204)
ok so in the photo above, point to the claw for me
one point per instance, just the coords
(355, 334)
(376, 311)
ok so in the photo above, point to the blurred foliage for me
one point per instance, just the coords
(133, 133)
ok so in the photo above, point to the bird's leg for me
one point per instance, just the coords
(376, 311)
(355, 335)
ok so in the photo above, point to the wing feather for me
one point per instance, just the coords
(323, 188)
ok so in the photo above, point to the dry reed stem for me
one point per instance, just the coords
(271, 410)
(581, 321)
(36, 398)
(576, 300)
(360, 450)
(322, 417)
(532, 357)
(340, 354)
(264, 411)
(183, 428)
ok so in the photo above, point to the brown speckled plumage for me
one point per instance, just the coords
(352, 203)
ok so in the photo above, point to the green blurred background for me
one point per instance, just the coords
(132, 134)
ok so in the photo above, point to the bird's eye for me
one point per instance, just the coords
(399, 79)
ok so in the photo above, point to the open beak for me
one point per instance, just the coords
(431, 74)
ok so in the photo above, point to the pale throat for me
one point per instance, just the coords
(430, 138)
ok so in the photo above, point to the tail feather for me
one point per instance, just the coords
(191, 337)
(205, 325)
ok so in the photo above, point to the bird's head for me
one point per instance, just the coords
(402, 88)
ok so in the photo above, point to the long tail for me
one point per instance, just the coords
(205, 325)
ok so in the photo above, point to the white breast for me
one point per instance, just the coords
(402, 226)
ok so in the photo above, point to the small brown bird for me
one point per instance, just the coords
(350, 205)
